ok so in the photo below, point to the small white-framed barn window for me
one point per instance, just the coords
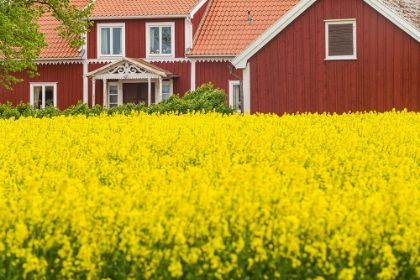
(235, 95)
(43, 95)
(340, 39)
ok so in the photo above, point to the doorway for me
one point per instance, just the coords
(137, 92)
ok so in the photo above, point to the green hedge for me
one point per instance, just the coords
(203, 99)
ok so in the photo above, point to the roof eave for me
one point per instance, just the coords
(138, 17)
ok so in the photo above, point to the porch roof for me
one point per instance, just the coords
(129, 68)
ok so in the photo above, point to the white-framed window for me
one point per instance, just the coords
(160, 39)
(235, 95)
(167, 89)
(43, 95)
(114, 95)
(340, 39)
(111, 40)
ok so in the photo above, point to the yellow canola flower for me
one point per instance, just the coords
(306, 196)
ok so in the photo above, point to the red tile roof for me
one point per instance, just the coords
(225, 30)
(57, 46)
(122, 8)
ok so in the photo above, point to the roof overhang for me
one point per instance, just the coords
(139, 17)
(129, 68)
(241, 59)
(217, 57)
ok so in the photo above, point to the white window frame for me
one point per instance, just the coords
(119, 91)
(99, 41)
(231, 85)
(340, 57)
(160, 24)
(171, 87)
(43, 85)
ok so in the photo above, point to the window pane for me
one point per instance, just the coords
(236, 96)
(37, 97)
(116, 41)
(113, 90)
(154, 40)
(166, 40)
(49, 96)
(165, 89)
(113, 99)
(105, 41)
(165, 96)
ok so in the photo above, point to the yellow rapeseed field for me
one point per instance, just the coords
(210, 196)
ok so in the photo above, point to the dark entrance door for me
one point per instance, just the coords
(136, 93)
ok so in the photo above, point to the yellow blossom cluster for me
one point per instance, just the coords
(211, 196)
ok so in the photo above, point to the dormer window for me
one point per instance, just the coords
(111, 41)
(340, 38)
(160, 39)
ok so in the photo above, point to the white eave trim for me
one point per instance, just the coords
(139, 17)
(394, 18)
(241, 60)
(211, 58)
(42, 61)
(197, 7)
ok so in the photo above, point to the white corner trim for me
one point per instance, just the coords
(246, 86)
(85, 83)
(241, 59)
(394, 18)
(193, 71)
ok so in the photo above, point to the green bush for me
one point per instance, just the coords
(203, 99)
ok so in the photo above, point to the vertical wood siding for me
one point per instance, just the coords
(197, 17)
(215, 72)
(290, 74)
(69, 79)
(183, 70)
(135, 37)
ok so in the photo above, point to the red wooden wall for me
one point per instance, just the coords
(215, 72)
(289, 74)
(135, 37)
(69, 78)
(197, 17)
(182, 69)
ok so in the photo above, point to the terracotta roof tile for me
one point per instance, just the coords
(112, 8)
(225, 30)
(57, 46)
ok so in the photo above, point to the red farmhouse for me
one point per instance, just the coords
(272, 56)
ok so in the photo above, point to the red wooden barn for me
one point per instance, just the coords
(272, 56)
